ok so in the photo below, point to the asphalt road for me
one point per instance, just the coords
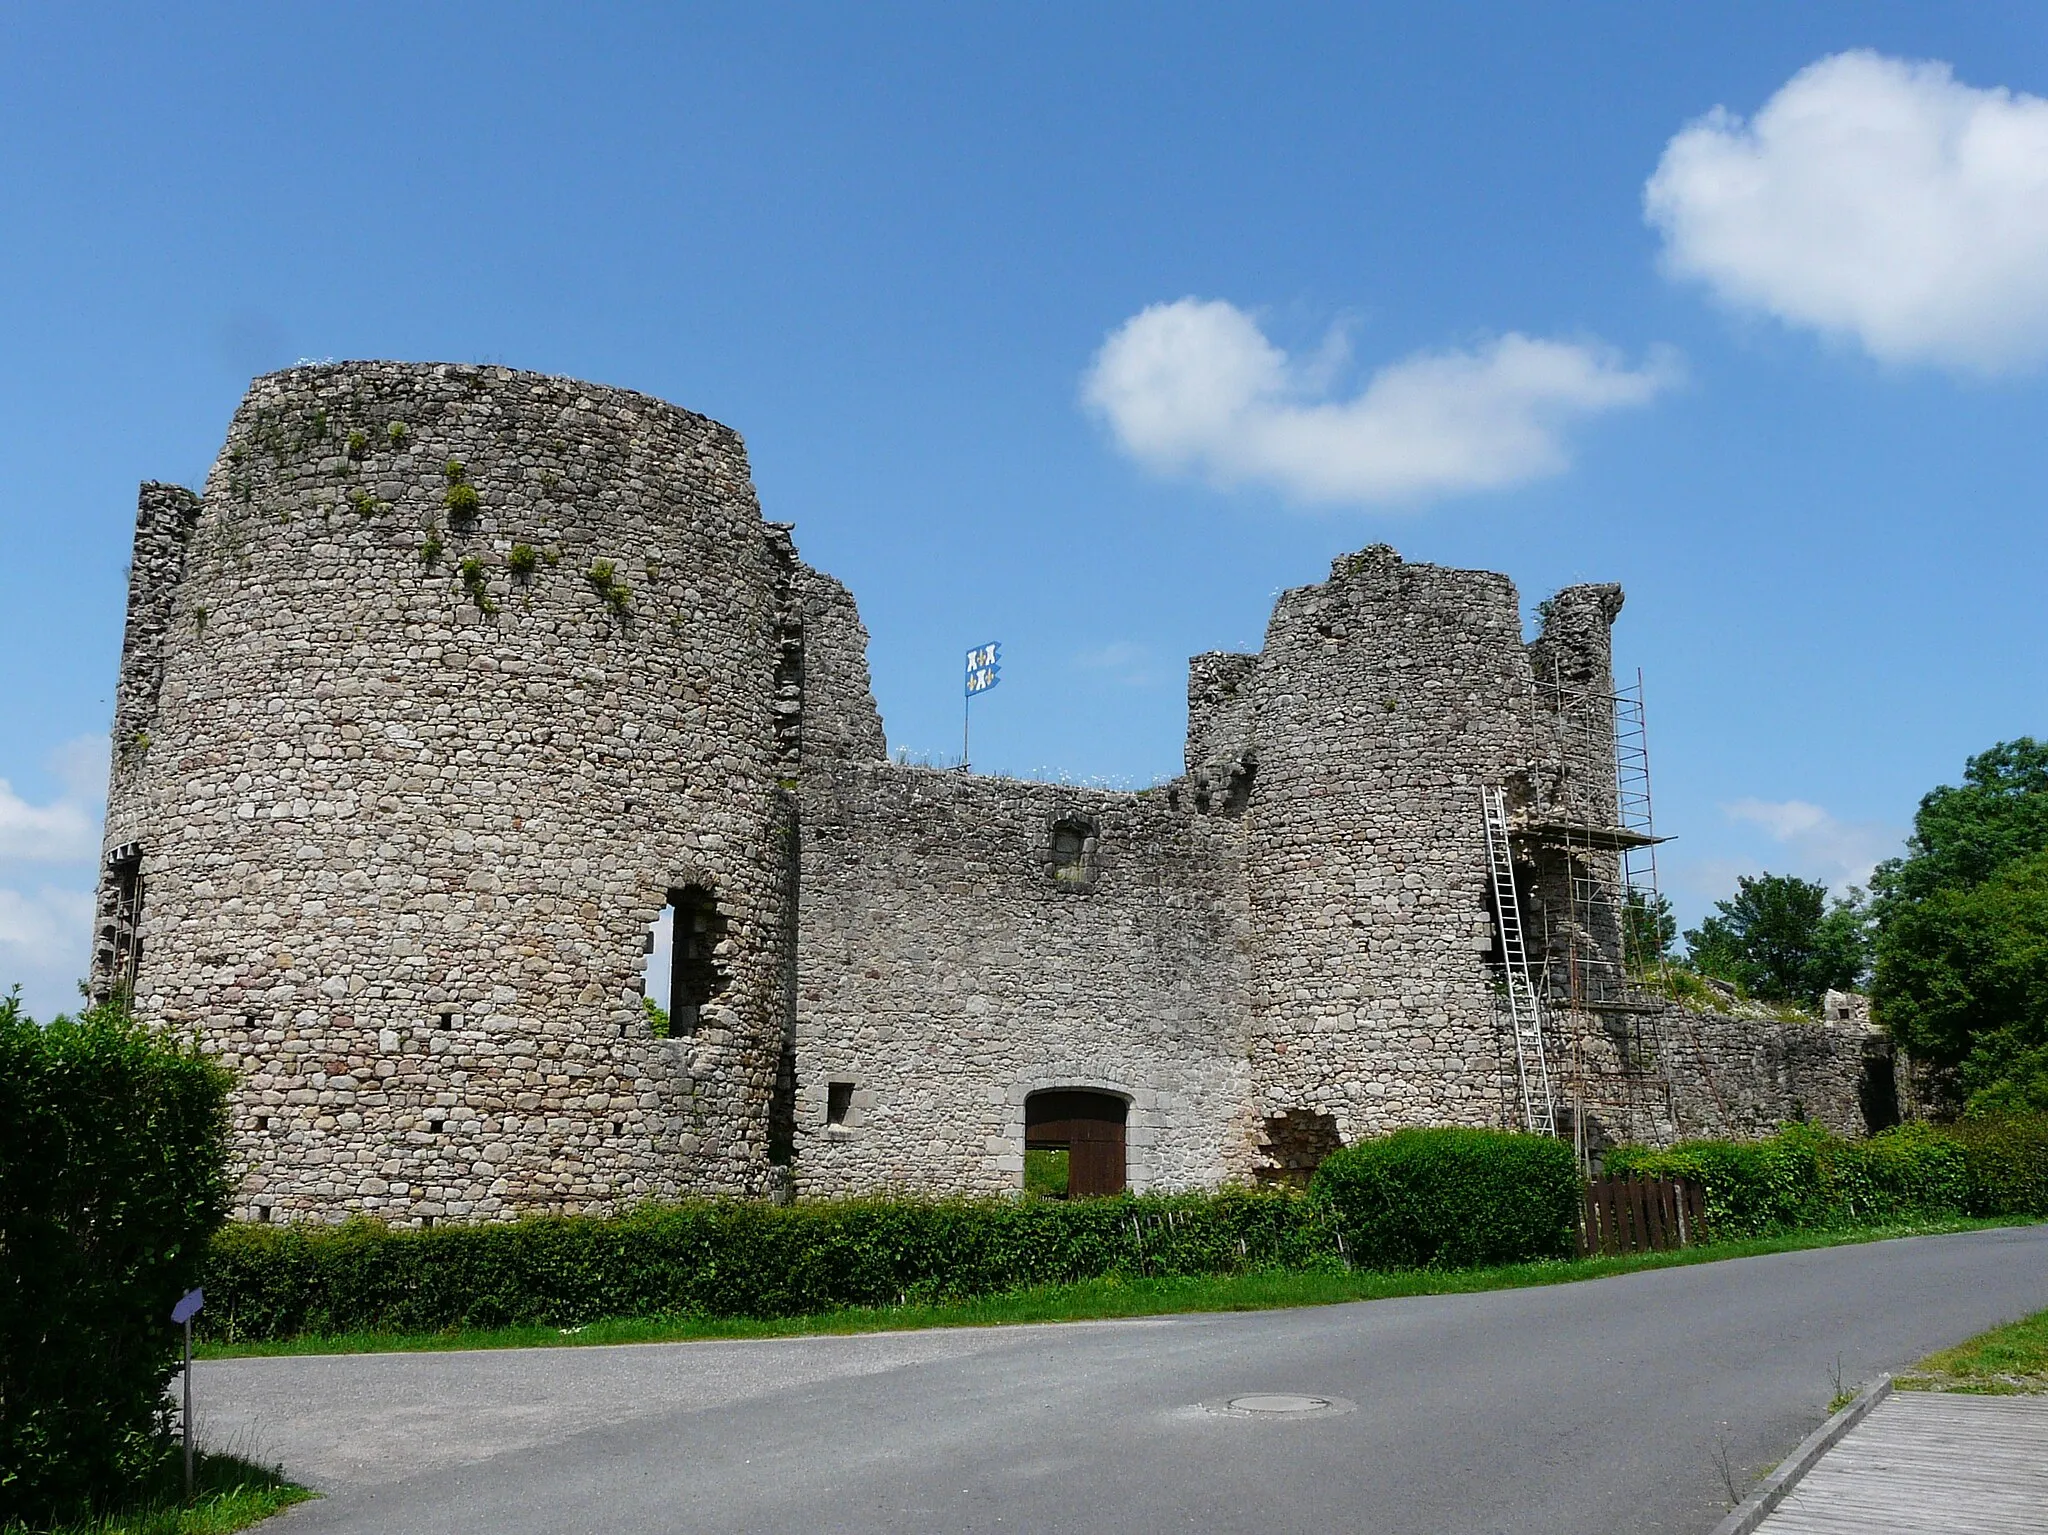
(1606, 1406)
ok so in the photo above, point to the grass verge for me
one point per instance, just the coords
(229, 1493)
(1087, 1300)
(2006, 1361)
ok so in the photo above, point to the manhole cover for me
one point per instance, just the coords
(1279, 1404)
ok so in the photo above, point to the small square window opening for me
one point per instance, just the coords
(838, 1099)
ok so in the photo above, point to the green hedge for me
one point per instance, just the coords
(732, 1258)
(1805, 1178)
(1454, 1198)
(112, 1178)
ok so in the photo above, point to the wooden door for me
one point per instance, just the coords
(1095, 1158)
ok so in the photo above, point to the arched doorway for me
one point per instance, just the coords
(1089, 1128)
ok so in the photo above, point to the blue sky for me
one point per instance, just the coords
(1091, 328)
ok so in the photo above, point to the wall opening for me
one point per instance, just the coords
(121, 925)
(1292, 1146)
(683, 974)
(1088, 1128)
(838, 1100)
(1073, 848)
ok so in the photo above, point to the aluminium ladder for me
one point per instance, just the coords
(1538, 1113)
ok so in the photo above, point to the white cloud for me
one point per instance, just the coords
(60, 832)
(1838, 853)
(1195, 387)
(66, 830)
(1126, 662)
(45, 938)
(1875, 199)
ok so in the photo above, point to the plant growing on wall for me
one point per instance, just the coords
(430, 551)
(358, 443)
(476, 583)
(522, 560)
(397, 431)
(603, 577)
(364, 504)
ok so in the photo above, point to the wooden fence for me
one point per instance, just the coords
(1641, 1215)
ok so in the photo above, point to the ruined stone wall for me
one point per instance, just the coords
(466, 669)
(949, 970)
(1385, 699)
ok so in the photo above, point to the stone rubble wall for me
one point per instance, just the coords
(409, 813)
(949, 971)
(455, 674)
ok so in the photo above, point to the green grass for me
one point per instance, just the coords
(229, 1493)
(1088, 1300)
(2006, 1361)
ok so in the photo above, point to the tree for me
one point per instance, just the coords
(1779, 937)
(1962, 982)
(1648, 929)
(1962, 933)
(1964, 835)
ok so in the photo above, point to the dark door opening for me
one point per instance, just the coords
(1089, 1128)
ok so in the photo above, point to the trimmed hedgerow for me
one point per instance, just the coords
(112, 1178)
(1454, 1198)
(1805, 1178)
(731, 1258)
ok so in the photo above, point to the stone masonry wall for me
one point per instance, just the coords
(421, 777)
(455, 676)
(949, 970)
(1385, 699)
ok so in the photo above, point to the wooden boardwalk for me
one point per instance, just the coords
(1927, 1460)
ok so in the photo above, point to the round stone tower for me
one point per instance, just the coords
(451, 681)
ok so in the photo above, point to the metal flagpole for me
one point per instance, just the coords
(984, 671)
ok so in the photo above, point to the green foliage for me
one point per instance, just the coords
(1962, 981)
(658, 1022)
(523, 560)
(1780, 938)
(1454, 1197)
(364, 504)
(461, 502)
(1807, 1179)
(603, 577)
(1962, 947)
(1963, 836)
(397, 432)
(455, 472)
(113, 1176)
(1648, 929)
(431, 549)
(477, 584)
(1045, 1173)
(736, 1259)
(358, 443)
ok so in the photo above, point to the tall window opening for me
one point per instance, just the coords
(683, 972)
(1074, 1143)
(121, 921)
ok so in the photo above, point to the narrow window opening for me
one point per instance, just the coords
(838, 1100)
(447, 1021)
(263, 1213)
(263, 1122)
(683, 974)
(120, 945)
(434, 1126)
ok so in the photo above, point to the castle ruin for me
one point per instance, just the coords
(457, 682)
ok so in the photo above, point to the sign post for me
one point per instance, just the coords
(984, 671)
(187, 1308)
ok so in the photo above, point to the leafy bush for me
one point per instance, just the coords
(1805, 1178)
(732, 1258)
(112, 1178)
(1454, 1197)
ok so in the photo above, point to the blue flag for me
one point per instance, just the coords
(984, 667)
